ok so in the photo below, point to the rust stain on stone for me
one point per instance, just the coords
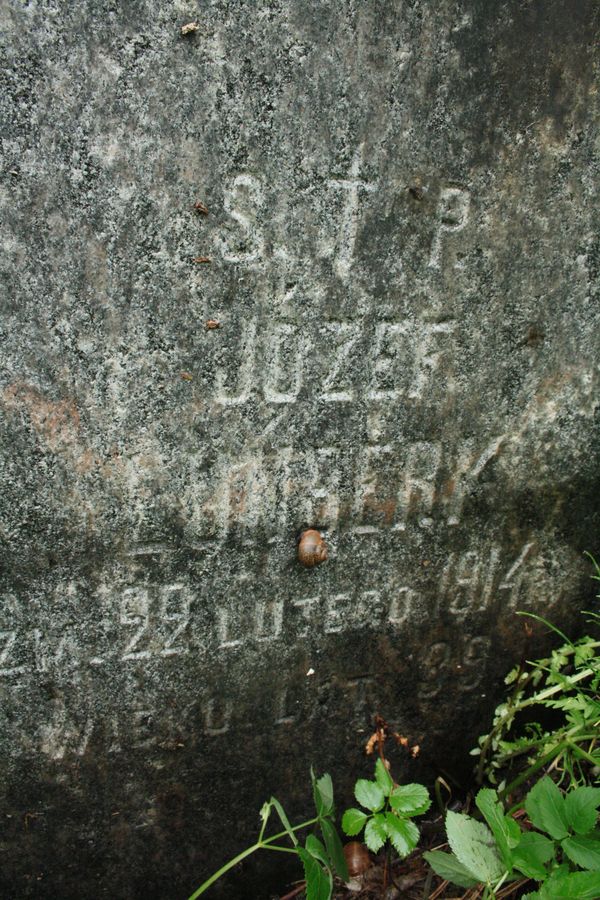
(447, 488)
(86, 462)
(56, 423)
(385, 509)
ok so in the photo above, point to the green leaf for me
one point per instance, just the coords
(265, 811)
(474, 845)
(449, 868)
(319, 883)
(375, 832)
(335, 850)
(403, 834)
(316, 849)
(323, 794)
(575, 886)
(383, 778)
(585, 654)
(410, 799)
(513, 675)
(584, 650)
(545, 807)
(531, 853)
(505, 830)
(584, 851)
(353, 821)
(369, 794)
(284, 819)
(581, 805)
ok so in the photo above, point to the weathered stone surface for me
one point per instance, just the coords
(404, 253)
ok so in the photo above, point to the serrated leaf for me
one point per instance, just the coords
(584, 651)
(383, 778)
(505, 830)
(575, 886)
(531, 853)
(448, 867)
(403, 834)
(323, 794)
(353, 821)
(319, 883)
(583, 850)
(369, 794)
(410, 799)
(335, 851)
(512, 675)
(545, 807)
(474, 846)
(581, 805)
(375, 832)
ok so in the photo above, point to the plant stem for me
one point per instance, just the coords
(568, 736)
(501, 882)
(232, 862)
(554, 753)
(260, 844)
(279, 849)
(583, 754)
(549, 692)
(518, 706)
(281, 834)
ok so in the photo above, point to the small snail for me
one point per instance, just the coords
(312, 548)
(357, 858)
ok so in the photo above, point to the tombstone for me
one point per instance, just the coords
(305, 264)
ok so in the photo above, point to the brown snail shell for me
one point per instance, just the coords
(357, 858)
(312, 548)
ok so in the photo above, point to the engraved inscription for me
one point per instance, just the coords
(57, 654)
(343, 336)
(235, 394)
(403, 359)
(452, 215)
(135, 610)
(154, 622)
(358, 693)
(471, 581)
(243, 202)
(418, 491)
(175, 613)
(387, 360)
(404, 601)
(464, 663)
(283, 707)
(217, 717)
(285, 364)
(269, 620)
(8, 640)
(63, 735)
(353, 186)
(227, 636)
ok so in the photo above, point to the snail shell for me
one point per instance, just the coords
(357, 858)
(312, 548)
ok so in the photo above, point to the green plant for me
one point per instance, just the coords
(390, 810)
(320, 859)
(568, 681)
(565, 859)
